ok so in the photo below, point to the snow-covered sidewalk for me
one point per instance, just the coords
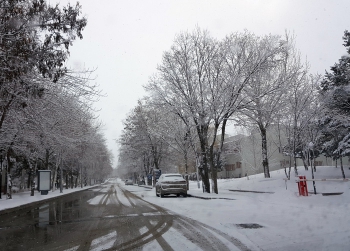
(23, 198)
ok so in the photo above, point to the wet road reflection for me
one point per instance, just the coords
(107, 218)
(34, 227)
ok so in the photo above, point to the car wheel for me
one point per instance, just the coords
(157, 193)
(184, 195)
(161, 194)
(177, 195)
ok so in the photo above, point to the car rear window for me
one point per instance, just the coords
(173, 177)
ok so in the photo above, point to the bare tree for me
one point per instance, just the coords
(302, 110)
(202, 80)
(182, 84)
(142, 142)
(267, 90)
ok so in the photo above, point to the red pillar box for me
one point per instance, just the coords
(302, 186)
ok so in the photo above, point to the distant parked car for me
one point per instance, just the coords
(141, 182)
(129, 182)
(171, 183)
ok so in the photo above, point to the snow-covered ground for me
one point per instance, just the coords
(289, 221)
(22, 198)
(279, 219)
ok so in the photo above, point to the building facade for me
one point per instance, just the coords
(243, 155)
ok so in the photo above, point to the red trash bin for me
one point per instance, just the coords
(302, 186)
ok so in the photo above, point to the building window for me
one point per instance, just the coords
(284, 163)
(230, 167)
(318, 163)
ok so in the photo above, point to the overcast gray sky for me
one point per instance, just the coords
(125, 39)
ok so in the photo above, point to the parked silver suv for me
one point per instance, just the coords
(171, 183)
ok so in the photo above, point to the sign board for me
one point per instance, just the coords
(44, 180)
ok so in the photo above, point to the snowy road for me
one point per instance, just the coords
(108, 218)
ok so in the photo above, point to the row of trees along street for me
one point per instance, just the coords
(47, 119)
(202, 85)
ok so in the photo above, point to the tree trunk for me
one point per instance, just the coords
(205, 173)
(304, 162)
(53, 182)
(29, 179)
(47, 157)
(214, 177)
(81, 176)
(290, 165)
(186, 167)
(218, 156)
(285, 172)
(202, 131)
(295, 164)
(265, 161)
(312, 162)
(342, 168)
(67, 180)
(5, 110)
(55, 175)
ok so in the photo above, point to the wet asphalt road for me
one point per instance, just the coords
(72, 223)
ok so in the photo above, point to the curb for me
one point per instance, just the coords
(209, 198)
(249, 191)
(149, 187)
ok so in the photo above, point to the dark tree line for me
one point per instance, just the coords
(46, 119)
(335, 92)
